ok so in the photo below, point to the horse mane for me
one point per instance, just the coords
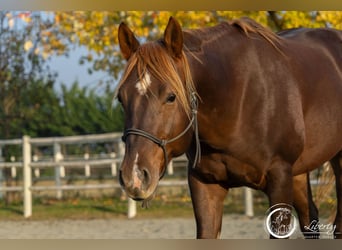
(153, 58)
(248, 26)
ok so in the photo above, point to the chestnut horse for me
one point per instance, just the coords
(247, 106)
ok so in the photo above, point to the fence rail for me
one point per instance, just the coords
(30, 164)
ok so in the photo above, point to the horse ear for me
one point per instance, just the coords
(173, 37)
(127, 41)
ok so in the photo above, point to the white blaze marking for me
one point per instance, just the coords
(143, 84)
(136, 179)
(135, 166)
(136, 161)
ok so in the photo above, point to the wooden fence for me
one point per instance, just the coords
(30, 164)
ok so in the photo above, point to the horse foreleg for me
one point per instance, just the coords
(207, 201)
(337, 167)
(279, 189)
(304, 205)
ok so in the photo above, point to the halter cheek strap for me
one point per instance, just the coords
(162, 143)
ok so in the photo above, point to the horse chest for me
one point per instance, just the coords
(223, 168)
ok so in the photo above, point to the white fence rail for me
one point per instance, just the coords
(31, 165)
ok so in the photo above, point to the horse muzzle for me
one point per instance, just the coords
(139, 184)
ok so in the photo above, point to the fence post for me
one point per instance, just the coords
(27, 176)
(132, 204)
(249, 202)
(114, 164)
(58, 157)
(121, 149)
(119, 152)
(86, 167)
(13, 169)
(36, 170)
(132, 208)
(170, 168)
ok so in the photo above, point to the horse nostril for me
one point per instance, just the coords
(145, 172)
(146, 176)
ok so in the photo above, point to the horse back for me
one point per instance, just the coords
(329, 39)
(317, 63)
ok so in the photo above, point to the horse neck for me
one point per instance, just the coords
(221, 74)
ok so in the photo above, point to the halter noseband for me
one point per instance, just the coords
(162, 143)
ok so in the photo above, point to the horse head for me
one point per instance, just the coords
(159, 102)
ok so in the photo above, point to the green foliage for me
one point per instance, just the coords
(84, 112)
(29, 104)
(76, 111)
(22, 72)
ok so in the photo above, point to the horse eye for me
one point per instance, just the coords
(171, 98)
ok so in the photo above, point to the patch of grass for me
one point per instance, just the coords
(75, 208)
(93, 208)
(78, 208)
(165, 210)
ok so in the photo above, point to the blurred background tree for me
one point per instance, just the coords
(22, 70)
(28, 96)
(98, 30)
(21, 65)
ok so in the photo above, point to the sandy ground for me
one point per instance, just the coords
(233, 227)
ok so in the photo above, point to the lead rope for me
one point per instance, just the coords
(193, 123)
(194, 107)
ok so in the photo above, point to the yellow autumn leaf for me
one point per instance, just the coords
(28, 45)
(11, 23)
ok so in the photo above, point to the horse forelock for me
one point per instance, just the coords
(152, 58)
